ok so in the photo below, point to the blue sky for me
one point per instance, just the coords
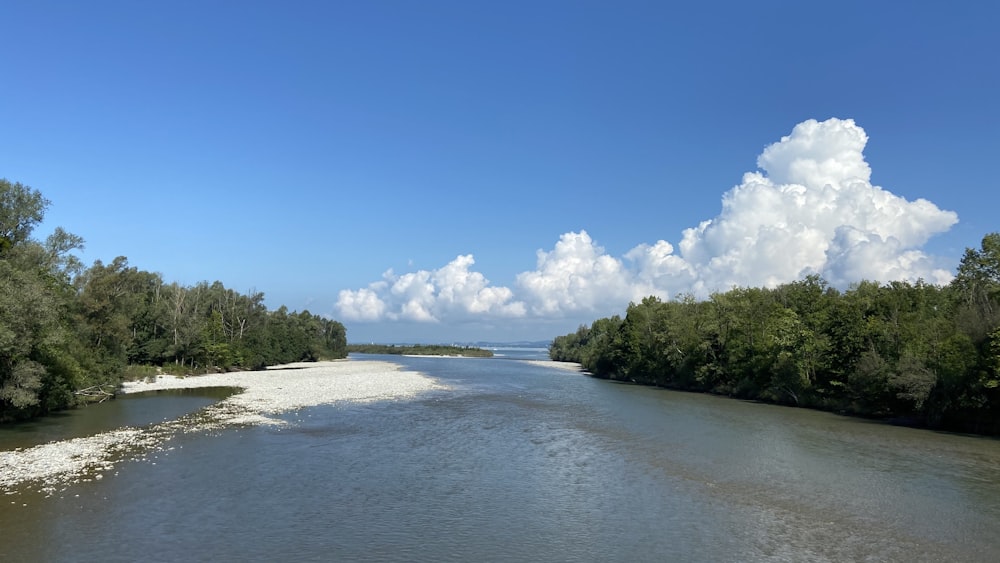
(440, 171)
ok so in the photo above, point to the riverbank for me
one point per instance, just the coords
(288, 387)
(263, 394)
(565, 366)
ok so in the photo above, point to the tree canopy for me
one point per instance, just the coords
(21, 208)
(909, 351)
(65, 327)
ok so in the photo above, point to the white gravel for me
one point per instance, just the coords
(565, 366)
(53, 466)
(294, 386)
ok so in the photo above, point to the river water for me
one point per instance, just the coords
(519, 462)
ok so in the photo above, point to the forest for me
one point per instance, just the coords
(68, 331)
(912, 353)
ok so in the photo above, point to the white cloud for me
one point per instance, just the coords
(578, 276)
(452, 292)
(361, 305)
(810, 209)
(658, 267)
(461, 291)
(813, 210)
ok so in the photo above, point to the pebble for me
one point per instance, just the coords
(55, 465)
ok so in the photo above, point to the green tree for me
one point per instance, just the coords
(569, 347)
(978, 276)
(37, 374)
(21, 209)
(977, 288)
(65, 328)
(601, 354)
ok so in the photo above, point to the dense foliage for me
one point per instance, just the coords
(420, 350)
(915, 352)
(64, 327)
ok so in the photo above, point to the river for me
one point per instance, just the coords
(520, 462)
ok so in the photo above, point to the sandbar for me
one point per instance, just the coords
(565, 366)
(51, 467)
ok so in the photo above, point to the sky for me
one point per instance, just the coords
(459, 171)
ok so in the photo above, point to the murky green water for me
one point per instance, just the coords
(139, 409)
(524, 463)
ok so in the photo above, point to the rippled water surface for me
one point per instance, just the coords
(139, 409)
(525, 463)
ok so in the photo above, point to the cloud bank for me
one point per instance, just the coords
(452, 292)
(810, 209)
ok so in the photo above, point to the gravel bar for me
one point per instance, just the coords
(565, 366)
(53, 466)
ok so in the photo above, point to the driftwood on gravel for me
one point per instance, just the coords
(101, 392)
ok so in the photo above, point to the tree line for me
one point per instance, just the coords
(420, 350)
(914, 352)
(65, 327)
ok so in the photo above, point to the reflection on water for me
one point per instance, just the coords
(521, 353)
(134, 410)
(524, 463)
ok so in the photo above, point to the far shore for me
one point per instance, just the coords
(440, 356)
(263, 394)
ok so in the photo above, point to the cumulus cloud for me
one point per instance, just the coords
(812, 209)
(363, 304)
(577, 275)
(809, 209)
(453, 292)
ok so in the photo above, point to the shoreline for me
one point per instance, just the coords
(261, 395)
(278, 389)
(564, 366)
(442, 356)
